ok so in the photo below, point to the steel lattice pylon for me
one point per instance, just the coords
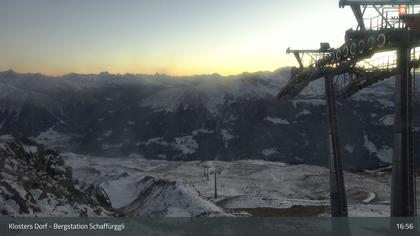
(395, 28)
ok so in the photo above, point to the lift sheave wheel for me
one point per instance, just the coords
(353, 48)
(381, 40)
(371, 43)
(361, 46)
(345, 51)
(338, 55)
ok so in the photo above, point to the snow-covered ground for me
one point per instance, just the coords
(35, 183)
(243, 187)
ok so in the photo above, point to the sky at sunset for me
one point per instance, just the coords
(177, 37)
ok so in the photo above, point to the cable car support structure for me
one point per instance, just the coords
(395, 32)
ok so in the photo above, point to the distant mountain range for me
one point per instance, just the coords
(195, 118)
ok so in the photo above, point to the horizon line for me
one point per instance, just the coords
(145, 74)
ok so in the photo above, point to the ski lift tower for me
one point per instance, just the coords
(394, 27)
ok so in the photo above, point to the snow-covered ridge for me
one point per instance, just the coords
(35, 182)
(160, 197)
(191, 118)
(169, 93)
(178, 188)
(214, 92)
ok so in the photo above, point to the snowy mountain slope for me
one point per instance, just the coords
(160, 197)
(35, 182)
(242, 185)
(135, 193)
(214, 91)
(195, 118)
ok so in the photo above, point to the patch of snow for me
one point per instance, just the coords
(226, 136)
(276, 120)
(52, 138)
(349, 148)
(371, 196)
(270, 151)
(30, 149)
(303, 113)
(127, 185)
(387, 120)
(156, 140)
(187, 144)
(20, 189)
(108, 133)
(203, 131)
(384, 154)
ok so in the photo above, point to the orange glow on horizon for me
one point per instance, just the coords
(247, 37)
(186, 68)
(169, 72)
